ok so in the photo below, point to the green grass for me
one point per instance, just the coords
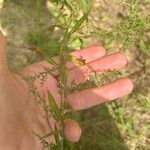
(99, 130)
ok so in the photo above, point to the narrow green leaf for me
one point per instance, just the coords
(53, 107)
(69, 5)
(79, 22)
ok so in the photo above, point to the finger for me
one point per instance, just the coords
(3, 64)
(91, 97)
(72, 130)
(80, 74)
(88, 54)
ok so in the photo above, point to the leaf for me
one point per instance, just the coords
(41, 43)
(50, 134)
(63, 76)
(53, 107)
(85, 4)
(69, 5)
(79, 23)
(78, 61)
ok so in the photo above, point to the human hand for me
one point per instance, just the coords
(21, 115)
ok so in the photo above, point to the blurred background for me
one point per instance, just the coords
(118, 25)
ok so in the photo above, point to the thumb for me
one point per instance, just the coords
(3, 63)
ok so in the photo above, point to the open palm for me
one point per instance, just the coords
(21, 115)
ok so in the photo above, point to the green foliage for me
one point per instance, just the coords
(98, 80)
(144, 101)
(55, 111)
(95, 130)
(43, 43)
(74, 6)
(44, 142)
(41, 76)
(71, 24)
(78, 61)
(68, 16)
(79, 23)
(127, 31)
(119, 115)
(71, 17)
(144, 46)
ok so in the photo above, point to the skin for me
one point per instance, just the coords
(21, 115)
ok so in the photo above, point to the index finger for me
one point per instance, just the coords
(88, 54)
